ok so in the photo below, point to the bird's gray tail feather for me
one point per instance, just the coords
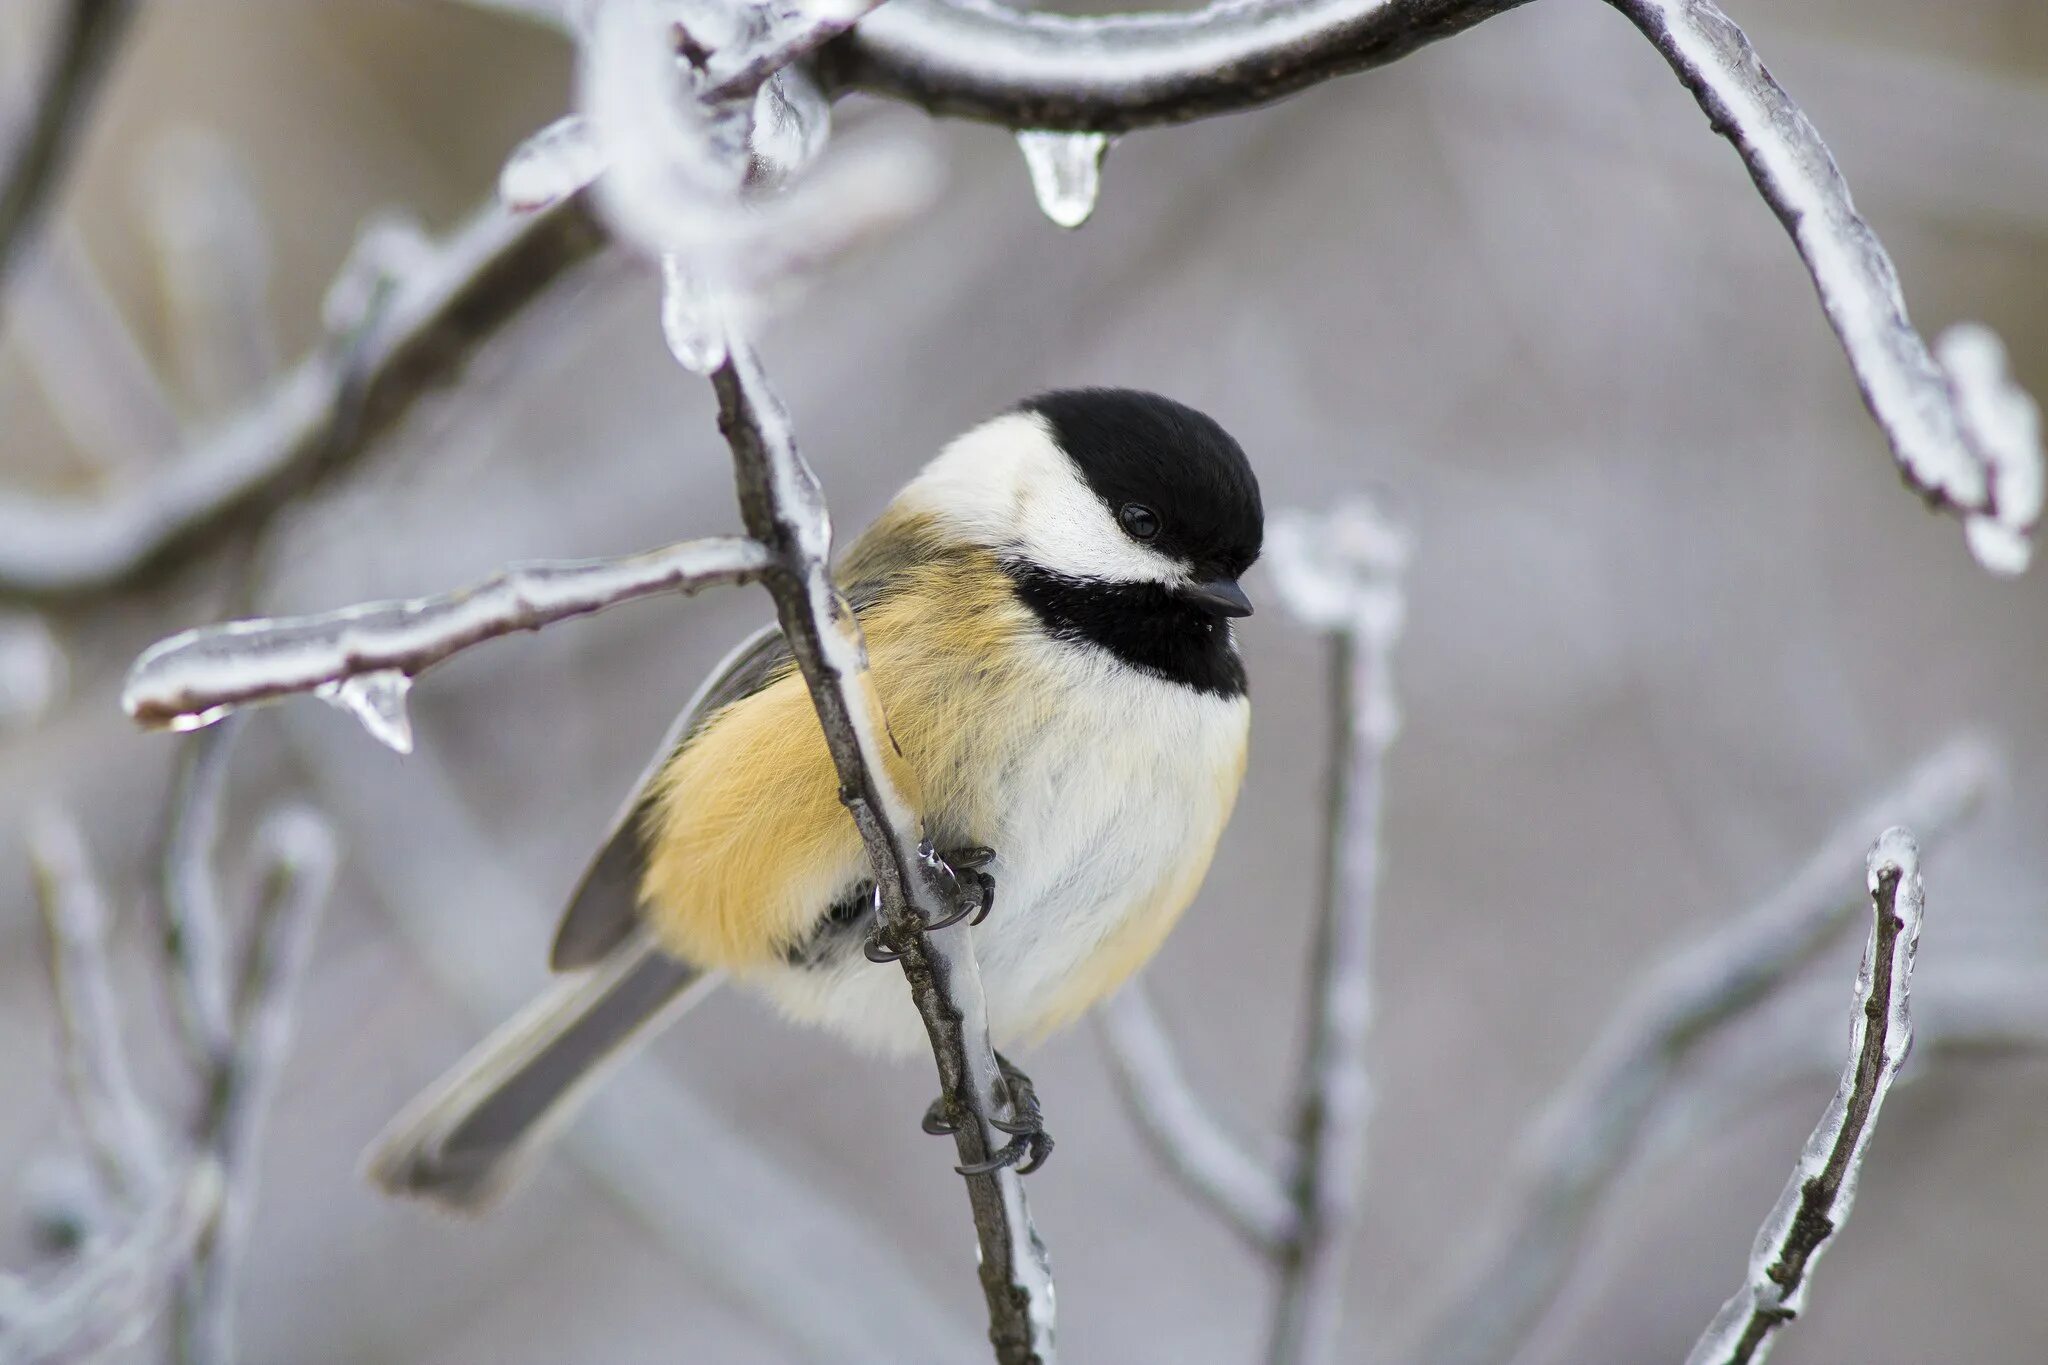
(468, 1140)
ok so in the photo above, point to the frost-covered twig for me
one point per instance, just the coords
(201, 675)
(105, 1300)
(784, 508)
(322, 413)
(89, 33)
(1950, 424)
(1340, 573)
(1597, 1119)
(193, 929)
(118, 1125)
(1182, 1133)
(297, 855)
(1818, 1197)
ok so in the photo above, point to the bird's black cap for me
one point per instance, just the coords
(1137, 447)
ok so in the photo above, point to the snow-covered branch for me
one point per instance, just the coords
(1818, 1197)
(429, 320)
(784, 509)
(1194, 1147)
(1598, 1118)
(1962, 434)
(360, 656)
(1339, 572)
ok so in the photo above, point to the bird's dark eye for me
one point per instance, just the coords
(1139, 521)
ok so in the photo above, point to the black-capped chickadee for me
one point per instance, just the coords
(1047, 609)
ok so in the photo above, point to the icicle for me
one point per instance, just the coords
(690, 318)
(378, 701)
(1066, 172)
(551, 165)
(2003, 427)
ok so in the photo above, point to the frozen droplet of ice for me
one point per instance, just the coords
(2002, 425)
(690, 318)
(378, 701)
(32, 668)
(551, 165)
(1066, 172)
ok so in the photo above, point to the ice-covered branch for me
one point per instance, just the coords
(199, 676)
(1340, 573)
(297, 855)
(1818, 1197)
(118, 1125)
(1598, 1118)
(322, 413)
(784, 508)
(1960, 432)
(89, 33)
(1181, 1131)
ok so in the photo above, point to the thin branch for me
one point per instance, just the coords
(193, 927)
(197, 677)
(784, 509)
(1358, 598)
(105, 1300)
(1818, 1197)
(1956, 463)
(119, 1127)
(326, 411)
(1182, 1133)
(298, 855)
(1111, 74)
(1597, 1119)
(89, 35)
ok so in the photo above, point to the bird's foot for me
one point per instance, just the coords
(1029, 1144)
(969, 889)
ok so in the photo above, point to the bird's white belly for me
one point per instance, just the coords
(1101, 810)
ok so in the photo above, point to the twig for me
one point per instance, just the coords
(1817, 1199)
(89, 35)
(1596, 1120)
(119, 1127)
(327, 410)
(193, 928)
(108, 1297)
(1956, 463)
(1180, 1130)
(298, 855)
(195, 678)
(784, 508)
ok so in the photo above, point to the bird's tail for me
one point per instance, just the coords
(468, 1140)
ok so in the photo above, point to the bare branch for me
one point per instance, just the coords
(298, 855)
(193, 927)
(1817, 1199)
(1179, 1128)
(784, 509)
(117, 1122)
(195, 678)
(1940, 447)
(1596, 1120)
(326, 411)
(90, 32)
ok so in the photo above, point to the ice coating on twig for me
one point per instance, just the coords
(390, 247)
(1341, 571)
(2003, 424)
(377, 702)
(691, 318)
(193, 679)
(1822, 1190)
(551, 165)
(1066, 172)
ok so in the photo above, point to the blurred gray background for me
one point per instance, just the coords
(1672, 617)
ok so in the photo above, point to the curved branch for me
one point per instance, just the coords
(1125, 71)
(91, 32)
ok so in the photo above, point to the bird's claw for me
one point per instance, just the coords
(1030, 1144)
(971, 890)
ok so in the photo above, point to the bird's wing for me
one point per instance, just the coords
(605, 908)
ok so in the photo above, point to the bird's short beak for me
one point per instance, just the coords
(1222, 596)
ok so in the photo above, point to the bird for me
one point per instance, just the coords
(1047, 607)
